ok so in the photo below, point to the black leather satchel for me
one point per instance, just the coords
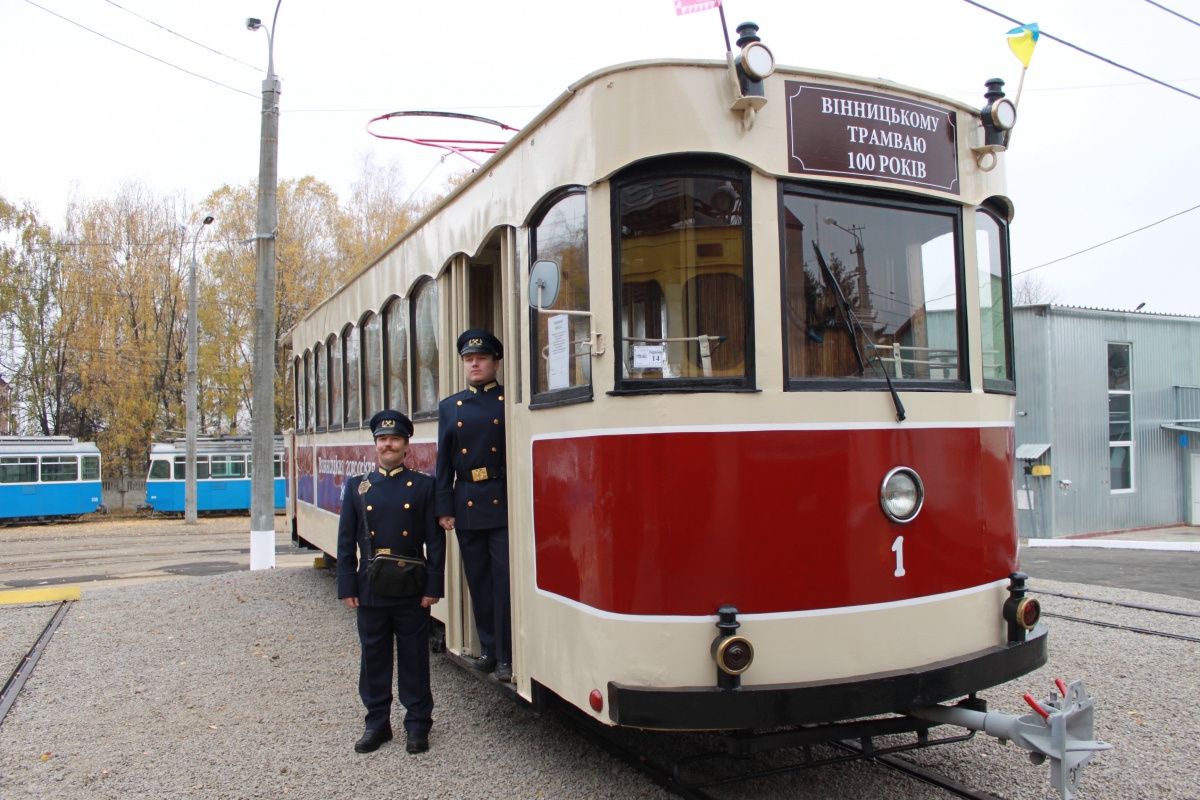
(396, 576)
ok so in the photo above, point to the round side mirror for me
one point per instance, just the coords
(543, 280)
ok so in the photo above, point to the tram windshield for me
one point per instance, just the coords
(896, 267)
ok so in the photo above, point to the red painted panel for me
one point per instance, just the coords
(681, 523)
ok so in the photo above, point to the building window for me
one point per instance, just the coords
(334, 352)
(559, 233)
(321, 407)
(893, 269)
(1120, 418)
(995, 301)
(372, 366)
(682, 278)
(425, 350)
(395, 355)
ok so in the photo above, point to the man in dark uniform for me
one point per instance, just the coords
(472, 493)
(392, 508)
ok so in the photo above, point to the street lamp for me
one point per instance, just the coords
(262, 416)
(189, 490)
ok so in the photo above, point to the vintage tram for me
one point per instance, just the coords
(224, 466)
(759, 404)
(48, 478)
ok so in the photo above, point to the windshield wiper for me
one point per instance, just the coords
(853, 324)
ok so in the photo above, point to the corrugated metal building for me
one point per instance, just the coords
(1109, 401)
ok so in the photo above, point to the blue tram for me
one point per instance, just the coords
(48, 477)
(223, 470)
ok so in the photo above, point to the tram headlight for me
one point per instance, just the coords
(733, 654)
(901, 495)
(757, 60)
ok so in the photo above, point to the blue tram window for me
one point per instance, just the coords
(201, 468)
(160, 471)
(19, 469)
(180, 468)
(60, 469)
(91, 468)
(228, 467)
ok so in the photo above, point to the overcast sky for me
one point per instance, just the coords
(1096, 152)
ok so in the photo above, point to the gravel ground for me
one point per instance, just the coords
(244, 685)
(20, 627)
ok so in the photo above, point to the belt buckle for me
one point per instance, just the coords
(479, 474)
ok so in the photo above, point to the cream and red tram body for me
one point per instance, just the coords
(715, 431)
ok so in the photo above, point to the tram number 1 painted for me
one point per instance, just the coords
(898, 549)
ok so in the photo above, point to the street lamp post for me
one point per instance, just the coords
(189, 489)
(262, 440)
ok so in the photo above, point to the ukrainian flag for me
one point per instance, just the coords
(1022, 40)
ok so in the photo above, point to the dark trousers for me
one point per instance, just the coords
(485, 561)
(408, 625)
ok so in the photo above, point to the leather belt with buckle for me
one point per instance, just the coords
(482, 474)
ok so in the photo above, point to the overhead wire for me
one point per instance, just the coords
(1096, 56)
(1176, 13)
(181, 36)
(1107, 241)
(141, 52)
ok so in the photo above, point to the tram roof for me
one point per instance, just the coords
(573, 89)
(29, 445)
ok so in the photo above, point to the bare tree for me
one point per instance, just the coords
(1031, 290)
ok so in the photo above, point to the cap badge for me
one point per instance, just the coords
(475, 343)
(387, 423)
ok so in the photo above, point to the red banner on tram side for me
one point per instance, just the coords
(833, 130)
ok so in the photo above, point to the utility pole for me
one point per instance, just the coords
(189, 489)
(262, 417)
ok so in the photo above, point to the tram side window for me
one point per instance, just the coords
(425, 350)
(160, 470)
(321, 406)
(309, 387)
(60, 469)
(684, 275)
(995, 301)
(334, 353)
(372, 366)
(559, 233)
(227, 467)
(297, 394)
(19, 469)
(895, 266)
(180, 468)
(353, 369)
(278, 465)
(90, 468)
(395, 355)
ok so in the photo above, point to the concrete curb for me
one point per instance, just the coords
(1117, 544)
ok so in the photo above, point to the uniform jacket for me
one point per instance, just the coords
(399, 514)
(471, 439)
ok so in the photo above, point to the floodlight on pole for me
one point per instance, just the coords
(262, 412)
(189, 491)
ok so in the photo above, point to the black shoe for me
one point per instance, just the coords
(372, 739)
(482, 664)
(418, 742)
(504, 672)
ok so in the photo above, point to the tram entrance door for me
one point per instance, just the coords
(475, 300)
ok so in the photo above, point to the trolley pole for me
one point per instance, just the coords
(262, 414)
(189, 489)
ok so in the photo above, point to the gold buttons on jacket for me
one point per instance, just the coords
(496, 421)
(368, 508)
(410, 483)
(464, 451)
(494, 450)
(495, 502)
(404, 534)
(372, 533)
(460, 402)
(460, 424)
(501, 397)
(406, 505)
(470, 502)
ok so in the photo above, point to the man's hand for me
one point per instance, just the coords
(426, 602)
(447, 523)
(352, 602)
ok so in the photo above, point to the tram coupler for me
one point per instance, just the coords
(1060, 729)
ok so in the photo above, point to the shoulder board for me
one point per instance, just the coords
(420, 472)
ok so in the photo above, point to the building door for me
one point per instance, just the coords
(1195, 472)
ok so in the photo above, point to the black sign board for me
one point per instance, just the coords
(833, 130)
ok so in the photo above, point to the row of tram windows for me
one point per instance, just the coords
(342, 382)
(870, 283)
(237, 466)
(49, 469)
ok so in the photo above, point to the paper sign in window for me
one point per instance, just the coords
(648, 356)
(558, 374)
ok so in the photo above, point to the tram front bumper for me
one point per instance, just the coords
(814, 702)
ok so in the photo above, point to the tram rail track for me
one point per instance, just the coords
(20, 674)
(1120, 604)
